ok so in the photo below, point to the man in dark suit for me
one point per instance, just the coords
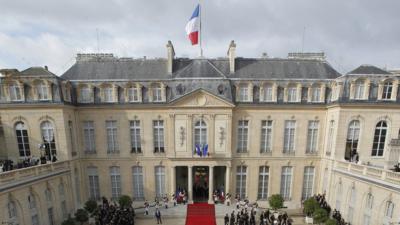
(158, 216)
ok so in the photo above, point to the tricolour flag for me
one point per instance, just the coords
(193, 26)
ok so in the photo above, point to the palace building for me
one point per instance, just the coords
(252, 127)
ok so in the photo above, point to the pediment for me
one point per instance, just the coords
(201, 98)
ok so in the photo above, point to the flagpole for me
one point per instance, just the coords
(201, 32)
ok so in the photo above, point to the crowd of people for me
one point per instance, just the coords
(112, 214)
(335, 214)
(8, 164)
(246, 215)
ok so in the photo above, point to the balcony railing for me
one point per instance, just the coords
(30, 172)
(369, 171)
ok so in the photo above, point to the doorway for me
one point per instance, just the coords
(200, 183)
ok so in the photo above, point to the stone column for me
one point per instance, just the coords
(190, 185)
(173, 181)
(227, 179)
(210, 185)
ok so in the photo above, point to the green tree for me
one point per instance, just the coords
(91, 206)
(276, 201)
(68, 221)
(310, 205)
(81, 216)
(330, 222)
(320, 215)
(125, 201)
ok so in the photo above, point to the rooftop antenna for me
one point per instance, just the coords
(97, 35)
(302, 41)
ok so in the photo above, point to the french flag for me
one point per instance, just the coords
(193, 26)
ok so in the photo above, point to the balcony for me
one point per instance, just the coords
(27, 175)
(369, 172)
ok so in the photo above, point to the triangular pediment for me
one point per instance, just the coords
(201, 98)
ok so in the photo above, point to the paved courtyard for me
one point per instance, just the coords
(177, 215)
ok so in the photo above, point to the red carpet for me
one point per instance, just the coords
(200, 214)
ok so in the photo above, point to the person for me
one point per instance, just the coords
(226, 219)
(165, 199)
(158, 216)
(146, 207)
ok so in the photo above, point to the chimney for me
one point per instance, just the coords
(232, 56)
(170, 57)
(46, 68)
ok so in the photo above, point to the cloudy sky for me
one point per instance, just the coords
(49, 32)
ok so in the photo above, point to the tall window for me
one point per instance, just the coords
(312, 136)
(112, 138)
(22, 139)
(135, 136)
(353, 134)
(200, 134)
(137, 178)
(263, 179)
(266, 136)
(158, 133)
(133, 94)
(316, 94)
(368, 209)
(85, 95)
(157, 93)
(160, 181)
(268, 93)
(241, 181)
(330, 137)
(243, 130)
(378, 146)
(33, 210)
(48, 139)
(63, 204)
(43, 91)
(71, 137)
(308, 182)
(339, 192)
(286, 182)
(243, 92)
(359, 87)
(389, 207)
(292, 94)
(12, 213)
(77, 186)
(115, 182)
(289, 135)
(49, 200)
(387, 90)
(352, 204)
(15, 92)
(94, 187)
(88, 133)
(108, 94)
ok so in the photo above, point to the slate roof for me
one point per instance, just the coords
(368, 69)
(245, 68)
(36, 71)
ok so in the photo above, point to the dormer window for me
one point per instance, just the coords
(267, 93)
(359, 87)
(133, 94)
(387, 90)
(15, 92)
(85, 95)
(43, 91)
(244, 92)
(292, 94)
(316, 93)
(157, 93)
(108, 94)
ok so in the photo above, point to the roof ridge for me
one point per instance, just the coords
(219, 71)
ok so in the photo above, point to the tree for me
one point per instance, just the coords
(81, 216)
(320, 215)
(330, 222)
(276, 201)
(90, 206)
(310, 205)
(68, 221)
(125, 201)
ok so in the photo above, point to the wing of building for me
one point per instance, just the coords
(251, 127)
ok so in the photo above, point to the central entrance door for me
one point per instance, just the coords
(200, 183)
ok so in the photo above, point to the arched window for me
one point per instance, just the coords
(22, 139)
(368, 209)
(200, 134)
(12, 213)
(353, 134)
(42, 91)
(33, 209)
(359, 88)
(379, 139)
(387, 90)
(389, 207)
(15, 92)
(48, 139)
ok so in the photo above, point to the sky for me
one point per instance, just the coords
(50, 32)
